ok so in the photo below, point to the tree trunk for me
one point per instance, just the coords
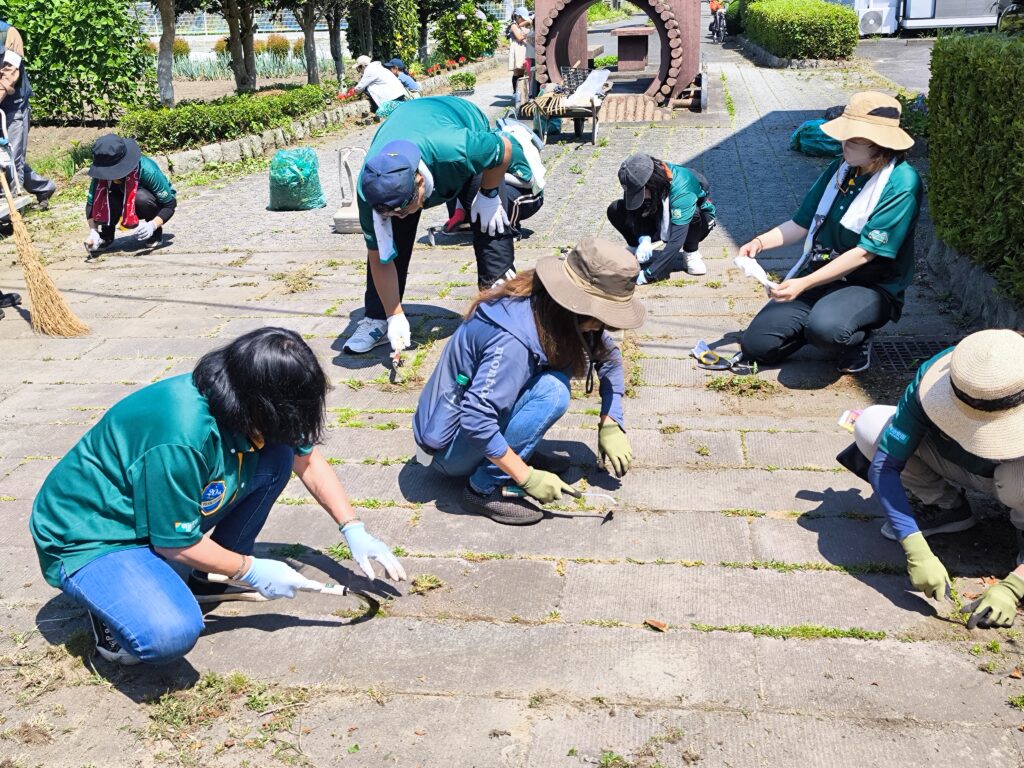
(334, 17)
(165, 58)
(307, 19)
(239, 16)
(424, 31)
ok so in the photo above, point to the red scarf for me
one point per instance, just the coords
(101, 201)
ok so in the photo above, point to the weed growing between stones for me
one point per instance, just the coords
(742, 512)
(745, 385)
(424, 583)
(798, 632)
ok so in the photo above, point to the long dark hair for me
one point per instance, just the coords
(267, 384)
(557, 327)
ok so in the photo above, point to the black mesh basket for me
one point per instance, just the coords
(573, 78)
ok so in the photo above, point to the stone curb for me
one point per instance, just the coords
(256, 145)
(972, 288)
(766, 59)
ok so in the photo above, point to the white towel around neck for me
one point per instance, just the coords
(382, 225)
(856, 215)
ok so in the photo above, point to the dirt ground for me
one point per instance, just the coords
(214, 89)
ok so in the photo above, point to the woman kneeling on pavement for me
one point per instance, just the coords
(186, 471)
(959, 426)
(129, 188)
(857, 224)
(503, 380)
(667, 203)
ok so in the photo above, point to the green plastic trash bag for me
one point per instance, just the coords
(809, 139)
(295, 180)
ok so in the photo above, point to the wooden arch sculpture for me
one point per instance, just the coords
(561, 41)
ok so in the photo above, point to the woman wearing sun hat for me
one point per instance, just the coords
(503, 380)
(959, 426)
(857, 226)
(127, 188)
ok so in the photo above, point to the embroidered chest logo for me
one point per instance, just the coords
(212, 498)
(878, 236)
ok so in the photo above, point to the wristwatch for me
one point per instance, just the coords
(492, 193)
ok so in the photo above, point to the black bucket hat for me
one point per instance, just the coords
(114, 157)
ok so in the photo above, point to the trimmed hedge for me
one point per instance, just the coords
(802, 29)
(193, 124)
(976, 148)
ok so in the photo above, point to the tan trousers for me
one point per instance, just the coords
(937, 481)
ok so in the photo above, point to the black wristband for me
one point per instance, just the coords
(492, 193)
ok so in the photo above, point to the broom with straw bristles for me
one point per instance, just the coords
(50, 313)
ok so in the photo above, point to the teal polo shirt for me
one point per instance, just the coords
(888, 233)
(146, 474)
(685, 194)
(910, 425)
(455, 142)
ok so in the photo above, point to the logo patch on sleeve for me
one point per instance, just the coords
(896, 434)
(677, 213)
(185, 527)
(878, 236)
(212, 498)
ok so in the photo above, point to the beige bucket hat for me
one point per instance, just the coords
(873, 116)
(596, 279)
(975, 394)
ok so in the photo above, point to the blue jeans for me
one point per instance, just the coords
(149, 609)
(542, 402)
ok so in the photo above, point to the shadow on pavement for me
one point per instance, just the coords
(428, 323)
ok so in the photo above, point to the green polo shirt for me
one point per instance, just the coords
(518, 165)
(910, 425)
(685, 194)
(150, 177)
(888, 233)
(455, 143)
(146, 474)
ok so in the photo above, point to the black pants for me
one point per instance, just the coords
(832, 317)
(632, 226)
(146, 208)
(495, 255)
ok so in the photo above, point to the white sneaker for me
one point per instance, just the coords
(369, 333)
(695, 263)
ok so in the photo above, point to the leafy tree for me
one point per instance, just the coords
(429, 12)
(307, 13)
(86, 59)
(241, 18)
(169, 11)
(461, 32)
(334, 14)
(383, 28)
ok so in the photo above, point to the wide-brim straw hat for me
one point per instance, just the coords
(597, 279)
(975, 394)
(873, 116)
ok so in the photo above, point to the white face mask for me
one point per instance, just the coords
(859, 155)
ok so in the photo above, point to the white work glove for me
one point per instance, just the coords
(274, 579)
(490, 213)
(92, 242)
(145, 230)
(365, 548)
(399, 332)
(644, 250)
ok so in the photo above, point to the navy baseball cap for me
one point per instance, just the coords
(389, 177)
(395, 63)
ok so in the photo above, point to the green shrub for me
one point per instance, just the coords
(976, 148)
(462, 81)
(278, 45)
(85, 58)
(221, 47)
(733, 17)
(180, 47)
(914, 115)
(299, 48)
(605, 62)
(802, 29)
(467, 36)
(192, 124)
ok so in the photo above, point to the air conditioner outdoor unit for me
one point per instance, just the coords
(877, 17)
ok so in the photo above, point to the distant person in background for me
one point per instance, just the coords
(15, 92)
(127, 188)
(378, 83)
(520, 44)
(398, 69)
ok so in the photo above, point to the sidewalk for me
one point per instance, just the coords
(793, 638)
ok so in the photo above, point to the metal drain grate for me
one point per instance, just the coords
(905, 355)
